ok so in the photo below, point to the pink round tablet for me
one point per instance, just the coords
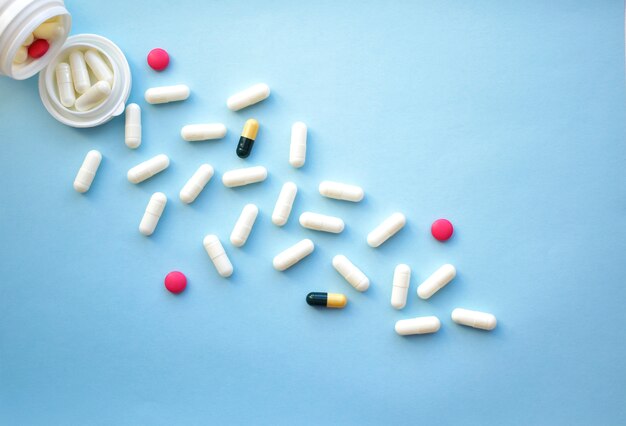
(175, 282)
(442, 229)
(38, 48)
(158, 59)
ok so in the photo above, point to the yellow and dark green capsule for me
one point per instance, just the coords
(329, 300)
(248, 135)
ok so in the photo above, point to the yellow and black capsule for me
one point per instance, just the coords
(248, 135)
(330, 300)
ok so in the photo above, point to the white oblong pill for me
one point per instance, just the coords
(29, 40)
(153, 213)
(284, 204)
(80, 75)
(320, 222)
(132, 129)
(388, 228)
(21, 55)
(148, 168)
(436, 281)
(341, 191)
(297, 149)
(97, 65)
(196, 184)
(49, 31)
(244, 225)
(218, 256)
(294, 254)
(475, 319)
(203, 132)
(245, 176)
(94, 96)
(87, 171)
(419, 325)
(355, 277)
(65, 85)
(400, 290)
(247, 97)
(165, 94)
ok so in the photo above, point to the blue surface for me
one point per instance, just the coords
(505, 117)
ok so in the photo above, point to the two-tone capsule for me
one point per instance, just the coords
(388, 228)
(148, 168)
(284, 204)
(196, 184)
(294, 254)
(245, 176)
(297, 148)
(244, 225)
(248, 136)
(218, 256)
(436, 281)
(475, 319)
(341, 191)
(247, 97)
(153, 213)
(165, 94)
(419, 325)
(132, 128)
(353, 275)
(328, 300)
(87, 171)
(400, 290)
(203, 132)
(320, 222)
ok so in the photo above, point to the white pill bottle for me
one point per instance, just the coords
(18, 20)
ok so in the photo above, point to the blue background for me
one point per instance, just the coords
(505, 117)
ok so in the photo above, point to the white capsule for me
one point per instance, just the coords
(476, 319)
(94, 96)
(218, 256)
(294, 254)
(400, 290)
(247, 97)
(244, 225)
(132, 136)
(419, 325)
(355, 277)
(99, 68)
(29, 40)
(153, 213)
(320, 222)
(436, 281)
(87, 171)
(49, 31)
(297, 149)
(388, 228)
(165, 94)
(196, 184)
(65, 85)
(149, 168)
(80, 75)
(245, 176)
(203, 132)
(341, 191)
(21, 55)
(284, 204)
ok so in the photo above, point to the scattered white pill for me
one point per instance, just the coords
(419, 325)
(297, 149)
(21, 55)
(196, 184)
(153, 213)
(29, 40)
(203, 132)
(247, 97)
(218, 256)
(244, 225)
(320, 222)
(386, 229)
(132, 129)
(341, 191)
(49, 31)
(97, 65)
(148, 168)
(65, 85)
(476, 319)
(400, 290)
(87, 171)
(284, 204)
(165, 94)
(294, 254)
(245, 176)
(94, 96)
(355, 277)
(436, 281)
(80, 74)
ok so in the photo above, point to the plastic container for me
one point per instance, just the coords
(19, 18)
